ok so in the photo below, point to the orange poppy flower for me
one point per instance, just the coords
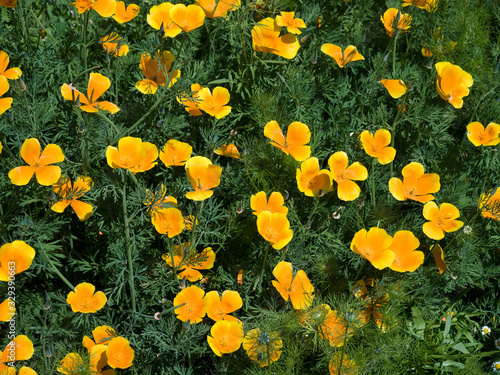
(154, 71)
(119, 353)
(39, 164)
(72, 363)
(84, 300)
(479, 136)
(297, 288)
(266, 38)
(218, 308)
(191, 101)
(404, 245)
(428, 5)
(259, 203)
(311, 180)
(12, 73)
(343, 175)
(70, 195)
(8, 3)
(489, 204)
(275, 228)
(203, 176)
(395, 87)
(98, 84)
(17, 252)
(220, 8)
(416, 184)
(194, 308)
(442, 220)
(158, 200)
(5, 103)
(332, 327)
(374, 246)
(168, 221)
(226, 337)
(188, 17)
(189, 261)
(453, 83)
(159, 19)
(341, 58)
(263, 347)
(391, 24)
(105, 8)
(347, 367)
(128, 155)
(377, 145)
(229, 150)
(148, 160)
(214, 104)
(113, 45)
(7, 310)
(175, 153)
(292, 24)
(297, 136)
(102, 336)
(19, 349)
(372, 310)
(123, 15)
(29, 371)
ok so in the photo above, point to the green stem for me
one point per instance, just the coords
(394, 55)
(316, 201)
(54, 268)
(487, 171)
(401, 108)
(127, 244)
(263, 266)
(84, 49)
(359, 270)
(373, 183)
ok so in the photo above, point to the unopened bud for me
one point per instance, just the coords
(233, 133)
(182, 284)
(21, 85)
(308, 225)
(239, 209)
(286, 195)
(157, 316)
(49, 353)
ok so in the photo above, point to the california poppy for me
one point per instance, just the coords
(19, 349)
(275, 228)
(219, 308)
(341, 58)
(311, 180)
(8, 3)
(374, 304)
(190, 221)
(203, 176)
(158, 199)
(263, 347)
(123, 14)
(127, 155)
(188, 17)
(154, 71)
(332, 327)
(374, 245)
(191, 101)
(345, 175)
(119, 353)
(428, 5)
(148, 160)
(12, 73)
(113, 45)
(404, 245)
(344, 366)
(395, 87)
(297, 136)
(72, 363)
(84, 300)
(395, 22)
(168, 221)
(442, 219)
(39, 164)
(260, 203)
(229, 150)
(296, 287)
(71, 193)
(17, 252)
(416, 184)
(479, 136)
(377, 145)
(437, 253)
(175, 153)
(194, 305)
(214, 103)
(266, 38)
(98, 84)
(102, 336)
(105, 8)
(159, 19)
(218, 8)
(489, 204)
(292, 24)
(189, 261)
(7, 310)
(5, 103)
(453, 83)
(226, 337)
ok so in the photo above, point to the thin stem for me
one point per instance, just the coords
(54, 268)
(359, 270)
(487, 171)
(394, 55)
(84, 50)
(127, 244)
(373, 183)
(401, 109)
(263, 266)
(316, 201)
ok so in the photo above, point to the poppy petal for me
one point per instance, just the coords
(21, 175)
(60, 206)
(432, 230)
(348, 190)
(105, 8)
(13, 73)
(82, 210)
(273, 131)
(48, 175)
(30, 151)
(5, 104)
(146, 86)
(50, 155)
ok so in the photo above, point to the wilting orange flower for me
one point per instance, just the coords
(188, 17)
(311, 180)
(105, 8)
(297, 288)
(395, 87)
(391, 24)
(84, 300)
(292, 24)
(229, 150)
(128, 155)
(263, 347)
(214, 104)
(259, 203)
(377, 145)
(266, 38)
(189, 261)
(7, 310)
(297, 136)
(12, 73)
(479, 136)
(453, 83)
(489, 204)
(154, 71)
(175, 153)
(226, 337)
(404, 245)
(17, 252)
(113, 45)
(219, 308)
(416, 184)
(39, 164)
(70, 195)
(428, 5)
(194, 308)
(343, 175)
(191, 101)
(98, 84)
(374, 246)
(159, 18)
(123, 15)
(203, 176)
(275, 228)
(341, 58)
(119, 353)
(442, 220)
(332, 327)
(19, 349)
(347, 367)
(8, 3)
(5, 103)
(168, 221)
(220, 8)
(102, 336)
(437, 253)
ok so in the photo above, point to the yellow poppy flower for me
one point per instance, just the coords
(404, 245)
(154, 71)
(113, 45)
(297, 136)
(5, 103)
(123, 14)
(159, 18)
(229, 150)
(395, 87)
(296, 287)
(265, 38)
(189, 261)
(392, 26)
(218, 8)
(416, 184)
(219, 308)
(84, 300)
(341, 58)
(105, 8)
(442, 219)
(214, 104)
(374, 245)
(203, 176)
(168, 221)
(70, 194)
(311, 180)
(175, 153)
(292, 24)
(15, 257)
(119, 353)
(128, 155)
(188, 17)
(377, 145)
(489, 204)
(194, 304)
(275, 228)
(7, 310)
(259, 203)
(344, 176)
(479, 136)
(453, 83)
(225, 337)
(346, 366)
(19, 349)
(191, 101)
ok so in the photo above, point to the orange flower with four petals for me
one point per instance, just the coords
(453, 83)
(123, 15)
(193, 303)
(311, 180)
(214, 103)
(275, 228)
(292, 24)
(479, 136)
(71, 193)
(344, 175)
(84, 300)
(373, 245)
(225, 337)
(442, 220)
(154, 70)
(377, 145)
(175, 153)
(416, 184)
(266, 38)
(259, 203)
(297, 136)
(17, 252)
(219, 307)
(395, 22)
(296, 287)
(168, 221)
(203, 176)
